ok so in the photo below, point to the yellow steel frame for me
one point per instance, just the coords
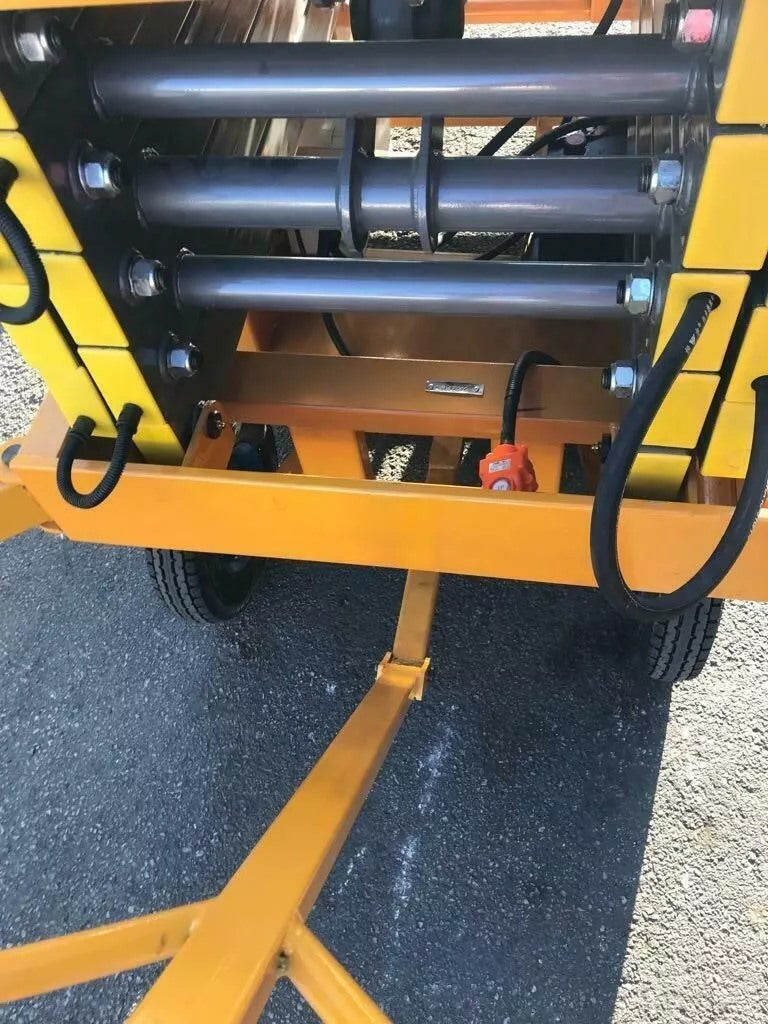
(433, 527)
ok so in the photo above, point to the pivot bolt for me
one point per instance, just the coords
(99, 173)
(182, 359)
(38, 39)
(146, 278)
(666, 180)
(214, 425)
(638, 295)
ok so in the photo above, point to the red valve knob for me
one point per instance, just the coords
(508, 468)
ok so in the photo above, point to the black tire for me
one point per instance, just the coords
(203, 588)
(214, 588)
(678, 649)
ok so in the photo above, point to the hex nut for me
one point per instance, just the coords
(183, 360)
(638, 295)
(697, 26)
(666, 180)
(99, 173)
(146, 278)
(37, 39)
(623, 380)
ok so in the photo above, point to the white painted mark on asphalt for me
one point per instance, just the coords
(433, 765)
(353, 862)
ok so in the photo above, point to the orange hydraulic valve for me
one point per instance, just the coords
(508, 468)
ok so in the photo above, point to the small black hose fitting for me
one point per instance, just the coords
(23, 249)
(77, 436)
(610, 489)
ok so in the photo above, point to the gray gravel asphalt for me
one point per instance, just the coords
(552, 838)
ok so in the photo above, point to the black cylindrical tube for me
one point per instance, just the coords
(251, 193)
(572, 194)
(551, 290)
(613, 75)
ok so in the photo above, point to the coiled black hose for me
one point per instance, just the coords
(20, 244)
(127, 424)
(613, 480)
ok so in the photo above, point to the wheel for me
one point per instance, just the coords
(214, 588)
(203, 588)
(679, 649)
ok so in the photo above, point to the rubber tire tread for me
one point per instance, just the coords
(177, 579)
(679, 648)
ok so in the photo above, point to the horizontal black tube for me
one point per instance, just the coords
(571, 194)
(613, 75)
(551, 290)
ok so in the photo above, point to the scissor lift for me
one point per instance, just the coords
(226, 954)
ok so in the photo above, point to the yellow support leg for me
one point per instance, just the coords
(72, 959)
(329, 989)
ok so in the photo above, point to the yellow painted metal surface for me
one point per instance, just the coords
(752, 361)
(120, 380)
(33, 201)
(681, 417)
(430, 527)
(730, 223)
(658, 475)
(43, 347)
(731, 288)
(80, 302)
(731, 443)
(329, 989)
(331, 452)
(19, 512)
(227, 968)
(7, 119)
(72, 959)
(744, 99)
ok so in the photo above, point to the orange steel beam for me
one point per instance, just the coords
(510, 12)
(408, 526)
(84, 956)
(321, 393)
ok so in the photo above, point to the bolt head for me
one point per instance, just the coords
(183, 360)
(638, 295)
(666, 180)
(623, 378)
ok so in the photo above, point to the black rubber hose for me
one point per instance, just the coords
(624, 450)
(511, 128)
(127, 424)
(515, 390)
(20, 244)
